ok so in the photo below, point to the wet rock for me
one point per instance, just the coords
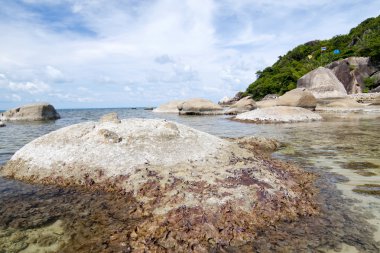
(32, 112)
(170, 107)
(195, 190)
(110, 117)
(2, 124)
(322, 83)
(279, 114)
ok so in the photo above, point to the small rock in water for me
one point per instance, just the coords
(2, 124)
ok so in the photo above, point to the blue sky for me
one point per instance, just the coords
(106, 53)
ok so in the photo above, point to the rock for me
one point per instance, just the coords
(322, 83)
(269, 97)
(243, 105)
(352, 71)
(170, 107)
(299, 97)
(193, 190)
(376, 101)
(278, 114)
(110, 117)
(199, 106)
(266, 103)
(339, 104)
(2, 124)
(32, 112)
(365, 98)
(226, 101)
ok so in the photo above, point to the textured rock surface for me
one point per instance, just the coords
(299, 97)
(366, 98)
(322, 83)
(170, 107)
(199, 106)
(352, 71)
(266, 103)
(243, 105)
(376, 101)
(196, 191)
(279, 114)
(32, 112)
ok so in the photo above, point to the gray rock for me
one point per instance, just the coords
(226, 101)
(352, 71)
(31, 112)
(299, 97)
(322, 83)
(243, 105)
(199, 106)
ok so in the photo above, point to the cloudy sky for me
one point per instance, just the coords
(109, 53)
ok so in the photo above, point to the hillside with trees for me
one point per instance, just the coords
(282, 76)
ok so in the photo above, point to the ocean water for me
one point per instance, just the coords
(343, 149)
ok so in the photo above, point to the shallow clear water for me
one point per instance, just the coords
(344, 144)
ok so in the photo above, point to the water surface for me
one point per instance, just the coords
(344, 150)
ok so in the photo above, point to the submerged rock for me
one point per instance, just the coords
(299, 97)
(322, 83)
(279, 114)
(32, 112)
(199, 106)
(243, 105)
(197, 191)
(170, 107)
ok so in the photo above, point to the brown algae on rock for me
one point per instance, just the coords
(197, 191)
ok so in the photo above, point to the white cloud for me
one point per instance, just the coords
(159, 50)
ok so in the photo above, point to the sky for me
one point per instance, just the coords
(109, 53)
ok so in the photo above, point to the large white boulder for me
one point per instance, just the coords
(31, 112)
(279, 114)
(322, 83)
(195, 190)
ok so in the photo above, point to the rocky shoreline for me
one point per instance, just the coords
(115, 217)
(217, 199)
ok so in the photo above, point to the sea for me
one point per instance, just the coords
(343, 150)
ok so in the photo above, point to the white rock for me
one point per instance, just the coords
(279, 114)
